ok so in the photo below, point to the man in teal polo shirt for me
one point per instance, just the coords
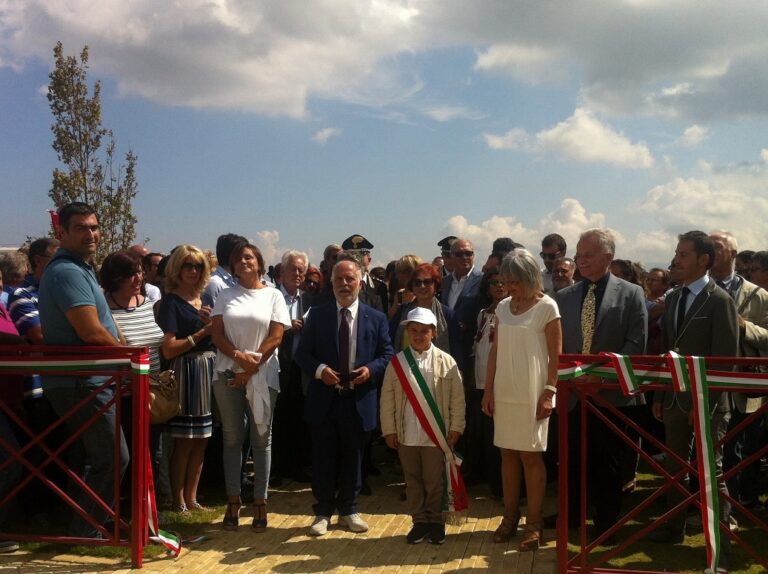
(73, 311)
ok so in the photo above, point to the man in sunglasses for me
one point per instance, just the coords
(460, 291)
(552, 247)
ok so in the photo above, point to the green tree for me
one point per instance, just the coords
(90, 174)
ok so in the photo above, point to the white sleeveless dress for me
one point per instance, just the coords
(521, 374)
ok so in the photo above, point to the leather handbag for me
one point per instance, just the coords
(163, 397)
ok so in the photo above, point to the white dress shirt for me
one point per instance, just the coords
(353, 308)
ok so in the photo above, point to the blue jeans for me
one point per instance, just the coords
(235, 414)
(10, 474)
(98, 442)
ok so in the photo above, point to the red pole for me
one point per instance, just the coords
(139, 456)
(562, 477)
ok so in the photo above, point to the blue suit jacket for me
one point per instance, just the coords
(319, 345)
(465, 311)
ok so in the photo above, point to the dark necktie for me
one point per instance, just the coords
(681, 309)
(344, 347)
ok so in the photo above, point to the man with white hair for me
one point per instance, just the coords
(601, 313)
(344, 349)
(288, 429)
(752, 308)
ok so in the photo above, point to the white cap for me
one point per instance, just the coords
(420, 315)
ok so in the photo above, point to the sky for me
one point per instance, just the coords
(300, 123)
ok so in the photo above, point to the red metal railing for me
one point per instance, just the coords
(591, 401)
(126, 369)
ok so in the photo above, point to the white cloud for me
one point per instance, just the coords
(581, 138)
(448, 113)
(569, 220)
(515, 139)
(531, 64)
(693, 135)
(701, 60)
(322, 136)
(268, 241)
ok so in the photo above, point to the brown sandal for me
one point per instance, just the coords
(506, 530)
(532, 535)
(259, 523)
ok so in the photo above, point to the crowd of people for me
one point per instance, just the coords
(436, 358)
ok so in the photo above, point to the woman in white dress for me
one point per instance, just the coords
(520, 391)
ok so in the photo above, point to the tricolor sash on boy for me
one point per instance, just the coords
(424, 405)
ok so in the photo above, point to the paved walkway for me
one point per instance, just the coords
(285, 547)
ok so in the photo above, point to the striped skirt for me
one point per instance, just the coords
(194, 372)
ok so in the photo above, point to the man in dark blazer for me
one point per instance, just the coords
(601, 313)
(700, 319)
(460, 291)
(344, 349)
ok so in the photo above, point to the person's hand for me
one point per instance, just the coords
(248, 362)
(241, 379)
(205, 314)
(658, 411)
(330, 377)
(453, 437)
(391, 440)
(486, 405)
(544, 405)
(297, 324)
(360, 375)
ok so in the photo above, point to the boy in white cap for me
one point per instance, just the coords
(422, 416)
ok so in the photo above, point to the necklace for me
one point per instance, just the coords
(523, 305)
(127, 307)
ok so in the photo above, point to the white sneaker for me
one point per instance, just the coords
(319, 526)
(353, 523)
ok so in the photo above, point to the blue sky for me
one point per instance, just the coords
(298, 124)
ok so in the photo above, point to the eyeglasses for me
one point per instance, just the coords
(312, 283)
(423, 282)
(463, 253)
(496, 283)
(554, 255)
(193, 267)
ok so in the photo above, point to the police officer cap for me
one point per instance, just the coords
(445, 243)
(356, 243)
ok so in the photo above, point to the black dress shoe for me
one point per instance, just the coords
(666, 535)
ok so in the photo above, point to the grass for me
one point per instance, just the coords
(688, 557)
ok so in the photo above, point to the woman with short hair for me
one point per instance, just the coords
(187, 345)
(520, 390)
(423, 283)
(248, 324)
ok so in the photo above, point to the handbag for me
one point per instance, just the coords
(163, 397)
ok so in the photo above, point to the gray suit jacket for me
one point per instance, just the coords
(710, 329)
(621, 325)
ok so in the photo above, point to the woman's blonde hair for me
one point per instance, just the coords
(521, 265)
(407, 263)
(177, 260)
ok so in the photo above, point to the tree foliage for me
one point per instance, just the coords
(90, 173)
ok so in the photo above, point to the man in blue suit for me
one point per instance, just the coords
(460, 291)
(344, 349)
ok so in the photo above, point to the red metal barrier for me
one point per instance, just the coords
(655, 374)
(126, 368)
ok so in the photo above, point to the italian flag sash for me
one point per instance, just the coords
(420, 398)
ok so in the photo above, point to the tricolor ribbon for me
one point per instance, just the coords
(170, 540)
